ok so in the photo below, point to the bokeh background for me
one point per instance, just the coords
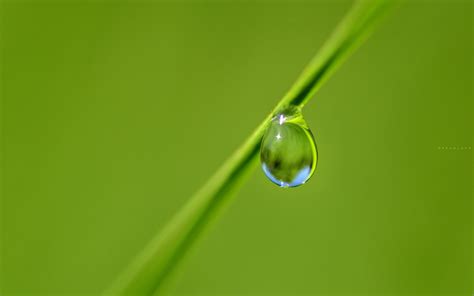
(115, 112)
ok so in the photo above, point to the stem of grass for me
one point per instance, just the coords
(151, 269)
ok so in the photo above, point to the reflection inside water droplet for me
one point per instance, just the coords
(288, 152)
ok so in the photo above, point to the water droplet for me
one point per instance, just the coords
(288, 151)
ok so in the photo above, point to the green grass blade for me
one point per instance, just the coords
(149, 272)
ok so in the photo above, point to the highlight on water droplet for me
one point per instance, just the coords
(288, 151)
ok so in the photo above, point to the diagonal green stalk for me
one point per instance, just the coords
(149, 272)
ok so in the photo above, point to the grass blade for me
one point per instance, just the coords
(149, 272)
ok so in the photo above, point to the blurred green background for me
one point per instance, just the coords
(114, 113)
